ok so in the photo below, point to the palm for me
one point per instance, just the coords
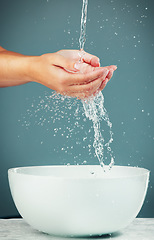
(89, 63)
(76, 56)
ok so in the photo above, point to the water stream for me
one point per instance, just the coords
(94, 107)
(82, 38)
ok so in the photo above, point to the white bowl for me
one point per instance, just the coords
(78, 200)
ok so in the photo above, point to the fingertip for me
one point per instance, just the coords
(114, 67)
(110, 74)
(95, 62)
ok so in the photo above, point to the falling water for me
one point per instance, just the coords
(96, 112)
(94, 106)
(82, 38)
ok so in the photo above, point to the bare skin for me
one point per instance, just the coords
(89, 63)
(59, 71)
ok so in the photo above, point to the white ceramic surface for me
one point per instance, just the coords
(70, 200)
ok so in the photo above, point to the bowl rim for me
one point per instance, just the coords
(107, 177)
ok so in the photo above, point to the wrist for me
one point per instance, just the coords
(14, 68)
(24, 66)
(31, 68)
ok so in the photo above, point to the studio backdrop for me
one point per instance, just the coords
(37, 128)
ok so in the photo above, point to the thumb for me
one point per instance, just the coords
(95, 62)
(91, 59)
(64, 62)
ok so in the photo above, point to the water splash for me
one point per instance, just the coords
(96, 112)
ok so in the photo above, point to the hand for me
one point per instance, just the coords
(89, 63)
(59, 73)
(75, 55)
(111, 70)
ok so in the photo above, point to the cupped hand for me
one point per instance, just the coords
(62, 73)
(77, 55)
(88, 64)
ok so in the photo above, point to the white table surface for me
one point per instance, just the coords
(15, 229)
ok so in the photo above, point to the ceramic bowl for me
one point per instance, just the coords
(78, 200)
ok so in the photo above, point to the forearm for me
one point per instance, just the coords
(60, 71)
(14, 68)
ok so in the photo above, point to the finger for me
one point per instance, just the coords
(86, 91)
(88, 88)
(112, 67)
(95, 62)
(84, 67)
(103, 84)
(91, 59)
(110, 74)
(81, 79)
(66, 63)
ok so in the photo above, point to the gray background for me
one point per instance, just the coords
(119, 32)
